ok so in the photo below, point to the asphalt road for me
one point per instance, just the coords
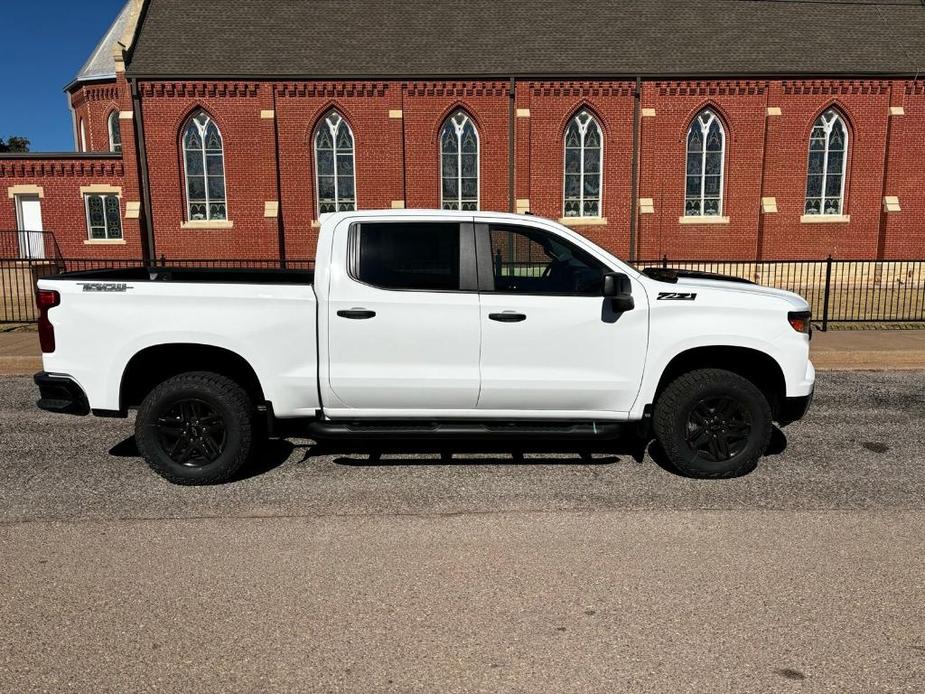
(327, 571)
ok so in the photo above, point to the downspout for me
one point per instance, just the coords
(280, 224)
(759, 227)
(634, 177)
(148, 248)
(512, 102)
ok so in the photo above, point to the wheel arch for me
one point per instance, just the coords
(752, 364)
(156, 363)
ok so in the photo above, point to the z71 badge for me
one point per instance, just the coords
(676, 296)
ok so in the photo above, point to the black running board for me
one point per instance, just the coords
(326, 429)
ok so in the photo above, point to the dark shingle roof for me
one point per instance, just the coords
(453, 38)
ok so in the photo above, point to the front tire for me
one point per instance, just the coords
(713, 424)
(196, 428)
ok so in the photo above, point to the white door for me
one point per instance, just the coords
(403, 323)
(29, 222)
(550, 340)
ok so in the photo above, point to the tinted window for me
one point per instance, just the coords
(530, 261)
(421, 256)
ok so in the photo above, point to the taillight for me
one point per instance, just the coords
(801, 321)
(46, 299)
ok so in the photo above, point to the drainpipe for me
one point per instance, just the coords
(512, 102)
(634, 180)
(280, 225)
(148, 248)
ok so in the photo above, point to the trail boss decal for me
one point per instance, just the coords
(676, 296)
(106, 287)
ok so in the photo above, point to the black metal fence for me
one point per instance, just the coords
(839, 291)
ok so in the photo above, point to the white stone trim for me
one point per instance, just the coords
(582, 221)
(396, 113)
(271, 209)
(126, 115)
(101, 189)
(104, 242)
(208, 224)
(773, 111)
(891, 203)
(132, 210)
(398, 204)
(646, 206)
(648, 113)
(268, 114)
(769, 205)
(825, 218)
(13, 191)
(897, 111)
(523, 113)
(703, 219)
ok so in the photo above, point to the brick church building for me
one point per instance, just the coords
(761, 129)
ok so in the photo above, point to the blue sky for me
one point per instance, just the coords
(45, 42)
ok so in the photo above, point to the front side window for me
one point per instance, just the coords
(421, 256)
(104, 221)
(115, 134)
(204, 166)
(828, 150)
(706, 150)
(583, 162)
(459, 163)
(531, 261)
(334, 165)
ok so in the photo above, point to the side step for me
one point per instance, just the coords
(464, 430)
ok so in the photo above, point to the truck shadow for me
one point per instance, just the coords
(411, 453)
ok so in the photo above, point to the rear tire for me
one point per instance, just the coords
(196, 428)
(713, 424)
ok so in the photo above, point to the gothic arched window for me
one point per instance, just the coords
(334, 165)
(584, 156)
(706, 153)
(828, 152)
(459, 163)
(204, 168)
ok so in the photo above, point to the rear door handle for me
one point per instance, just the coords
(357, 314)
(507, 317)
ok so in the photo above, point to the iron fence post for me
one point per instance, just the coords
(825, 297)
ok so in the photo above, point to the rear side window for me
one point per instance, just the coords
(422, 256)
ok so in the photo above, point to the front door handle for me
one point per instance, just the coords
(357, 314)
(507, 317)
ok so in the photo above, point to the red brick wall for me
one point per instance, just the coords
(398, 159)
(63, 211)
(92, 103)
(904, 232)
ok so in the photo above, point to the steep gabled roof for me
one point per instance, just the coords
(454, 38)
(101, 64)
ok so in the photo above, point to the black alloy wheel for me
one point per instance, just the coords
(718, 428)
(191, 432)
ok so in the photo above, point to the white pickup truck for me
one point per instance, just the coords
(428, 324)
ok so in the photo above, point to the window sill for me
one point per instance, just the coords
(582, 221)
(825, 218)
(104, 242)
(705, 219)
(208, 224)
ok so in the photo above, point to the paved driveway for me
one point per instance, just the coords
(326, 571)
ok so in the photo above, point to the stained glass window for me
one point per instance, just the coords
(459, 163)
(825, 178)
(204, 165)
(115, 135)
(334, 165)
(104, 219)
(706, 152)
(583, 166)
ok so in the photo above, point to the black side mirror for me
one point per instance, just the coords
(619, 289)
